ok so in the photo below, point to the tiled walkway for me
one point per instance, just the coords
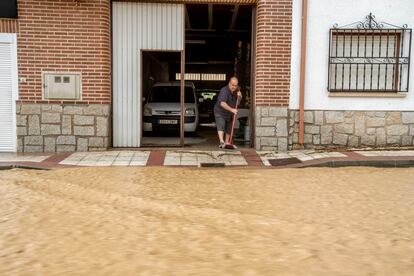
(159, 157)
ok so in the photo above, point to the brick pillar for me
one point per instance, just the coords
(273, 52)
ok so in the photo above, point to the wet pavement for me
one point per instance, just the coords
(195, 158)
(205, 221)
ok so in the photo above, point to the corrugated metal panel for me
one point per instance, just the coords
(138, 26)
(8, 92)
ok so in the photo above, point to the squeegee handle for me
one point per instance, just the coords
(234, 121)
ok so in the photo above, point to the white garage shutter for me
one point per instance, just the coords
(136, 27)
(8, 92)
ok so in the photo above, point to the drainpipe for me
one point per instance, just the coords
(302, 72)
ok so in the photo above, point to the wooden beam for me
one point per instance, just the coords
(210, 16)
(187, 19)
(234, 17)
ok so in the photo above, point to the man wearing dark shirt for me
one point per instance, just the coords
(225, 109)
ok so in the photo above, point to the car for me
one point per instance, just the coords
(162, 107)
(207, 99)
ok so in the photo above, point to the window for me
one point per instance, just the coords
(369, 58)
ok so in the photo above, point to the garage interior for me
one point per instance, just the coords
(217, 47)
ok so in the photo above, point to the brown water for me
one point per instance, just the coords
(181, 221)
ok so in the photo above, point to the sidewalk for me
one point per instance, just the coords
(219, 158)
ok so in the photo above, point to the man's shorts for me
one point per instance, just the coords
(223, 124)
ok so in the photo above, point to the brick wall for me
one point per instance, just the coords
(274, 30)
(65, 36)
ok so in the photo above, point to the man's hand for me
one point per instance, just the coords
(234, 111)
(239, 94)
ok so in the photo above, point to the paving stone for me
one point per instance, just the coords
(397, 130)
(66, 124)
(278, 112)
(344, 128)
(33, 140)
(21, 120)
(34, 125)
(368, 140)
(265, 131)
(21, 131)
(359, 125)
(65, 148)
(269, 141)
(375, 122)
(307, 138)
(311, 129)
(95, 142)
(97, 110)
(50, 144)
(50, 118)
(102, 126)
(333, 117)
(71, 109)
(83, 130)
(282, 144)
(66, 140)
(29, 109)
(353, 141)
(408, 117)
(407, 141)
(340, 139)
(381, 137)
(316, 139)
(308, 117)
(50, 129)
(393, 140)
(393, 118)
(83, 120)
(33, 148)
(281, 128)
(319, 117)
(268, 121)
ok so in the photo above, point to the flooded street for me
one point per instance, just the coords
(189, 221)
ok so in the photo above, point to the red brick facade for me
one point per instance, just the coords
(273, 35)
(65, 36)
(74, 36)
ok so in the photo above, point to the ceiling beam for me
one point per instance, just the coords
(187, 19)
(234, 17)
(210, 16)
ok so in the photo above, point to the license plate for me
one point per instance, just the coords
(167, 122)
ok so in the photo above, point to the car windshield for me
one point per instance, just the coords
(170, 94)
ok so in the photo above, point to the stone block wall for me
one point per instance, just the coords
(61, 128)
(325, 129)
(271, 131)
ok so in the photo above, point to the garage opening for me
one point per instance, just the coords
(161, 98)
(218, 46)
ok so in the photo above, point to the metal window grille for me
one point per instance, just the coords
(369, 56)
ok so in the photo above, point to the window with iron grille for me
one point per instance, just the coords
(369, 57)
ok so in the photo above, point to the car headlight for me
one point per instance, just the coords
(147, 111)
(189, 111)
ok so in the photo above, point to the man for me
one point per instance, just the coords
(225, 108)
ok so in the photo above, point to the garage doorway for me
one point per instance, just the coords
(219, 44)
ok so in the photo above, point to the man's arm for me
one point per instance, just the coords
(228, 108)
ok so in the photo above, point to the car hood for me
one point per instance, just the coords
(168, 106)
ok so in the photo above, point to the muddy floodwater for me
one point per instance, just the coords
(188, 221)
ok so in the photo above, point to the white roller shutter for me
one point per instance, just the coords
(136, 27)
(8, 92)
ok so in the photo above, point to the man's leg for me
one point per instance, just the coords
(221, 136)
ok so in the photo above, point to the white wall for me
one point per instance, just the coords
(322, 14)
